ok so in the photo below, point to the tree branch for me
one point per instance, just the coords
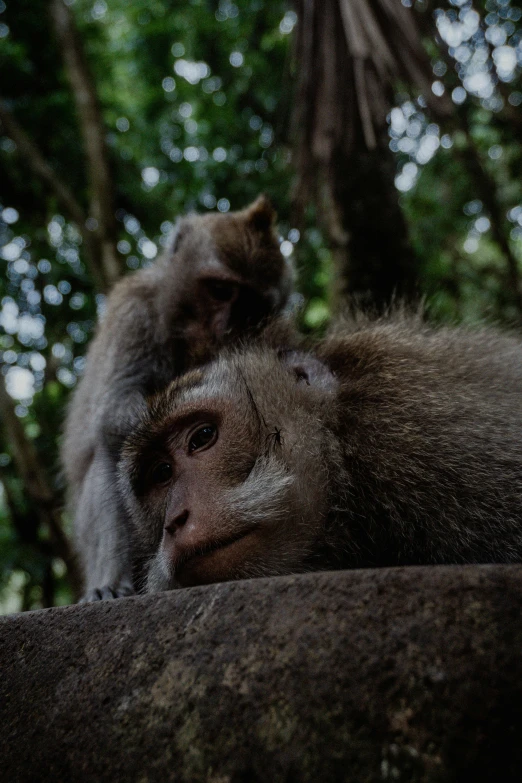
(74, 211)
(36, 483)
(40, 166)
(93, 132)
(487, 192)
(484, 183)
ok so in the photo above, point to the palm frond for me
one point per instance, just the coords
(351, 55)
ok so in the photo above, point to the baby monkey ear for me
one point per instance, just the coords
(309, 370)
(260, 214)
(177, 234)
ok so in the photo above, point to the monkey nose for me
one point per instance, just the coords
(176, 522)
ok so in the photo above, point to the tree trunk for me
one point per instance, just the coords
(377, 262)
(350, 55)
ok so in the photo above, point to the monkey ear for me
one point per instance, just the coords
(177, 235)
(309, 370)
(260, 214)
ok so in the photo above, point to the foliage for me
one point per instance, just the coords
(196, 99)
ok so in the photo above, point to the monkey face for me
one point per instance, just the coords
(224, 479)
(233, 273)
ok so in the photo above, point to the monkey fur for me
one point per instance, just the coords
(221, 277)
(392, 443)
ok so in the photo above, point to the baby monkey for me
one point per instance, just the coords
(222, 276)
(392, 444)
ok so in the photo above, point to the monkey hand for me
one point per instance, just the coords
(120, 590)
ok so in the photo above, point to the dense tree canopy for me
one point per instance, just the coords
(117, 117)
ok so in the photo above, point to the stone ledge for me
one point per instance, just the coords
(409, 674)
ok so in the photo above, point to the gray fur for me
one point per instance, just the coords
(398, 444)
(157, 325)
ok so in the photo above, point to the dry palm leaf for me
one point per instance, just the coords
(351, 54)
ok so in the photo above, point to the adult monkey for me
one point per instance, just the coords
(393, 444)
(221, 277)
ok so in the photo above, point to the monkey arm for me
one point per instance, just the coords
(103, 411)
(102, 532)
(204, 291)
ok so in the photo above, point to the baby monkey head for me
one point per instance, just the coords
(231, 273)
(225, 476)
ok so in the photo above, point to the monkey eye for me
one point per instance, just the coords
(202, 438)
(220, 290)
(161, 473)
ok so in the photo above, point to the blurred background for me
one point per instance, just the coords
(388, 135)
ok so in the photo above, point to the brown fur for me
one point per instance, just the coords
(159, 322)
(392, 443)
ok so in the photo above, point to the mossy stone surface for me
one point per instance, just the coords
(408, 674)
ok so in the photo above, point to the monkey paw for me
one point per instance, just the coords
(107, 592)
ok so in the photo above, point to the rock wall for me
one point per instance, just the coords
(410, 674)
